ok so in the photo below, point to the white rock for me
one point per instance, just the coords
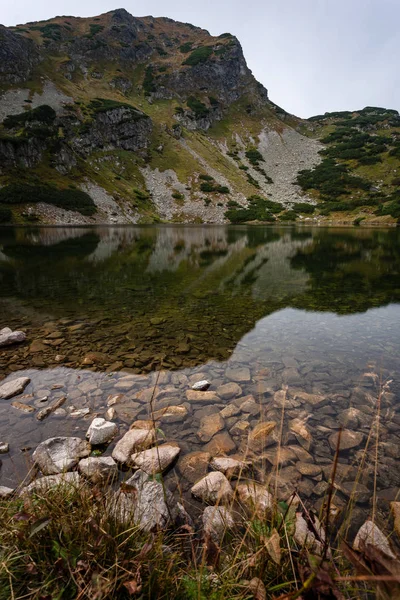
(51, 481)
(13, 387)
(216, 521)
(98, 469)
(213, 488)
(6, 492)
(59, 454)
(369, 533)
(8, 337)
(4, 447)
(255, 496)
(80, 412)
(201, 386)
(134, 439)
(230, 467)
(155, 460)
(101, 431)
(149, 507)
(305, 537)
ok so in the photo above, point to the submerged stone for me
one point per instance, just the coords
(13, 387)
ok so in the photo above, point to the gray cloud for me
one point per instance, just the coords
(312, 55)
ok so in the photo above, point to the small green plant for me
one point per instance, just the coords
(207, 186)
(21, 193)
(199, 56)
(304, 207)
(186, 47)
(254, 156)
(206, 177)
(149, 85)
(358, 221)
(43, 114)
(200, 110)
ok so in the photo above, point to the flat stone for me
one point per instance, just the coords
(221, 443)
(230, 467)
(209, 426)
(59, 454)
(6, 492)
(357, 491)
(229, 411)
(349, 418)
(349, 439)
(171, 414)
(370, 534)
(251, 407)
(23, 407)
(156, 460)
(8, 337)
(99, 469)
(229, 390)
(95, 358)
(308, 469)
(256, 497)
(37, 346)
(240, 428)
(194, 466)
(113, 399)
(213, 488)
(4, 447)
(303, 435)
(240, 375)
(201, 386)
(280, 456)
(134, 439)
(13, 387)
(52, 481)
(313, 399)
(101, 431)
(202, 397)
(217, 520)
(260, 436)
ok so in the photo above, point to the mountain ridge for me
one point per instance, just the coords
(155, 120)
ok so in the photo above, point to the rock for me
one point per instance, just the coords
(256, 497)
(95, 358)
(349, 439)
(8, 337)
(209, 426)
(357, 491)
(349, 418)
(217, 520)
(259, 437)
(37, 346)
(230, 467)
(99, 469)
(53, 407)
(59, 454)
(313, 399)
(134, 439)
(240, 428)
(240, 375)
(6, 492)
(13, 387)
(370, 534)
(114, 399)
(194, 466)
(308, 469)
(51, 481)
(229, 390)
(171, 414)
(395, 508)
(221, 443)
(4, 447)
(213, 488)
(202, 397)
(101, 431)
(303, 436)
(201, 386)
(250, 406)
(305, 537)
(156, 460)
(150, 507)
(81, 412)
(321, 488)
(142, 424)
(23, 407)
(229, 411)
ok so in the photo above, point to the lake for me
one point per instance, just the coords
(300, 326)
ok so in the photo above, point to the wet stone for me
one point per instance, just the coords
(240, 374)
(156, 460)
(221, 443)
(217, 520)
(229, 390)
(194, 466)
(260, 436)
(13, 387)
(209, 426)
(202, 397)
(213, 488)
(349, 439)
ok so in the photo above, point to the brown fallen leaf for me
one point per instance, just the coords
(257, 588)
(273, 547)
(133, 587)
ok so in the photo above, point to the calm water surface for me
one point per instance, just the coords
(105, 309)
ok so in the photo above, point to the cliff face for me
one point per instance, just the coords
(156, 118)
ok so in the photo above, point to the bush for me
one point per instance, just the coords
(186, 47)
(95, 29)
(21, 193)
(206, 177)
(289, 215)
(207, 187)
(5, 214)
(304, 207)
(199, 56)
(259, 209)
(199, 109)
(149, 85)
(254, 156)
(43, 113)
(101, 105)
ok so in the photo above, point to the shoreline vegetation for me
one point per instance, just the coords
(89, 528)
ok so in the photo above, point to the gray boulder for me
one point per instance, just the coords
(13, 387)
(101, 431)
(98, 469)
(9, 337)
(60, 454)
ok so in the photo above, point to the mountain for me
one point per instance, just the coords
(118, 119)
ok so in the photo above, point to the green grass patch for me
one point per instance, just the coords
(68, 199)
(199, 56)
(43, 114)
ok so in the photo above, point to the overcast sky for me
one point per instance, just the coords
(312, 55)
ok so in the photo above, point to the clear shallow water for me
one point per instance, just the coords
(311, 309)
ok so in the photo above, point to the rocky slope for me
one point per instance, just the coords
(123, 119)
